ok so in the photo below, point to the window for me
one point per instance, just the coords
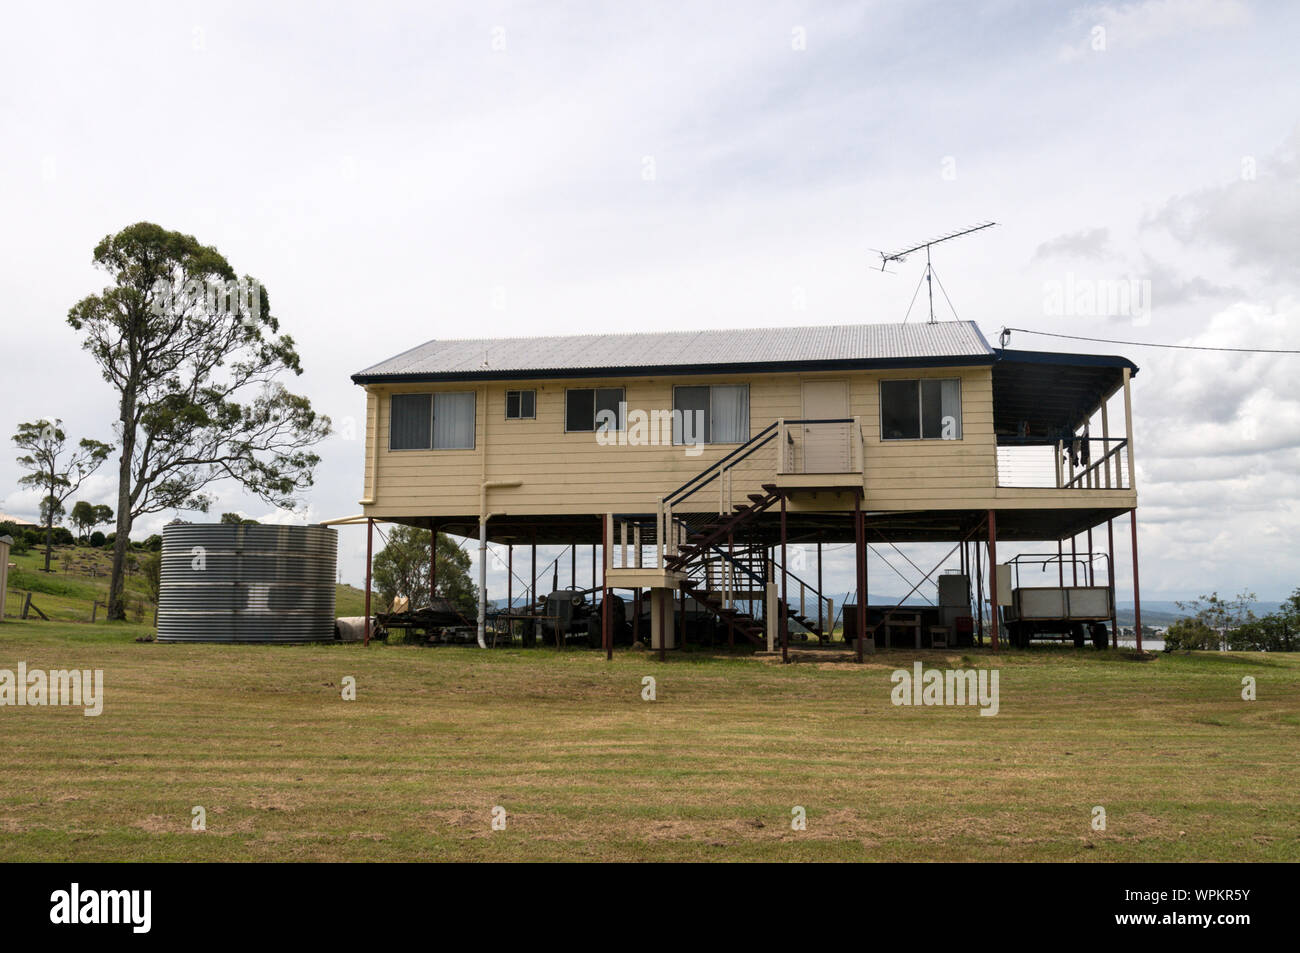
(584, 406)
(437, 421)
(410, 422)
(722, 411)
(453, 421)
(920, 410)
(521, 404)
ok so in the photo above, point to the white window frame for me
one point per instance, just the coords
(594, 410)
(521, 391)
(433, 403)
(711, 442)
(920, 405)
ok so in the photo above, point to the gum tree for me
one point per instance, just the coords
(196, 359)
(86, 516)
(54, 471)
(402, 569)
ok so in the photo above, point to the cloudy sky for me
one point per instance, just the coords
(395, 173)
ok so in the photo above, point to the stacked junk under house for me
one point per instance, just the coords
(708, 471)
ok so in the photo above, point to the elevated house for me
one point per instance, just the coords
(693, 459)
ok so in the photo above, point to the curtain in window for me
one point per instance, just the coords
(408, 422)
(730, 412)
(453, 421)
(950, 407)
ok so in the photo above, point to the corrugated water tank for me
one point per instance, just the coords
(227, 582)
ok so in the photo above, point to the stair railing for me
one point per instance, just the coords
(672, 519)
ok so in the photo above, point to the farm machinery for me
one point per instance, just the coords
(1063, 612)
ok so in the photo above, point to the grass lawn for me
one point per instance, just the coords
(411, 770)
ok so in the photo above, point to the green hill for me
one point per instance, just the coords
(80, 578)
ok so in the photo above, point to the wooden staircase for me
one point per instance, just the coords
(741, 622)
(702, 538)
(708, 538)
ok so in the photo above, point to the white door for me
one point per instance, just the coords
(826, 447)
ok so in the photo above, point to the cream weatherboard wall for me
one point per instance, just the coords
(571, 473)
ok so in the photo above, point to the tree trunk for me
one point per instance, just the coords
(117, 581)
(49, 518)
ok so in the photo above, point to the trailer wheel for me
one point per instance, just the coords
(1100, 637)
(1079, 636)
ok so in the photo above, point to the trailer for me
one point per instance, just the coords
(439, 623)
(1076, 613)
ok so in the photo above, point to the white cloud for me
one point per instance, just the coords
(1127, 26)
(382, 170)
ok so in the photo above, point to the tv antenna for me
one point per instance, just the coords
(929, 276)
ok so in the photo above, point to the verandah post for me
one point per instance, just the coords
(785, 593)
(1137, 598)
(1110, 570)
(993, 579)
(859, 563)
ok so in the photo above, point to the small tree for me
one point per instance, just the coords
(1222, 615)
(86, 516)
(1190, 634)
(103, 514)
(83, 518)
(195, 357)
(1276, 632)
(402, 569)
(53, 470)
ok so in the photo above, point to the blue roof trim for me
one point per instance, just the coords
(1007, 356)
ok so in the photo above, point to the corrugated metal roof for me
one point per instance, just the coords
(587, 353)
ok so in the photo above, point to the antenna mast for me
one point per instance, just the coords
(900, 256)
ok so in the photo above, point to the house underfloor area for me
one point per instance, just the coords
(757, 578)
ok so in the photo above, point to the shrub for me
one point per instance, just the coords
(15, 532)
(98, 539)
(1190, 634)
